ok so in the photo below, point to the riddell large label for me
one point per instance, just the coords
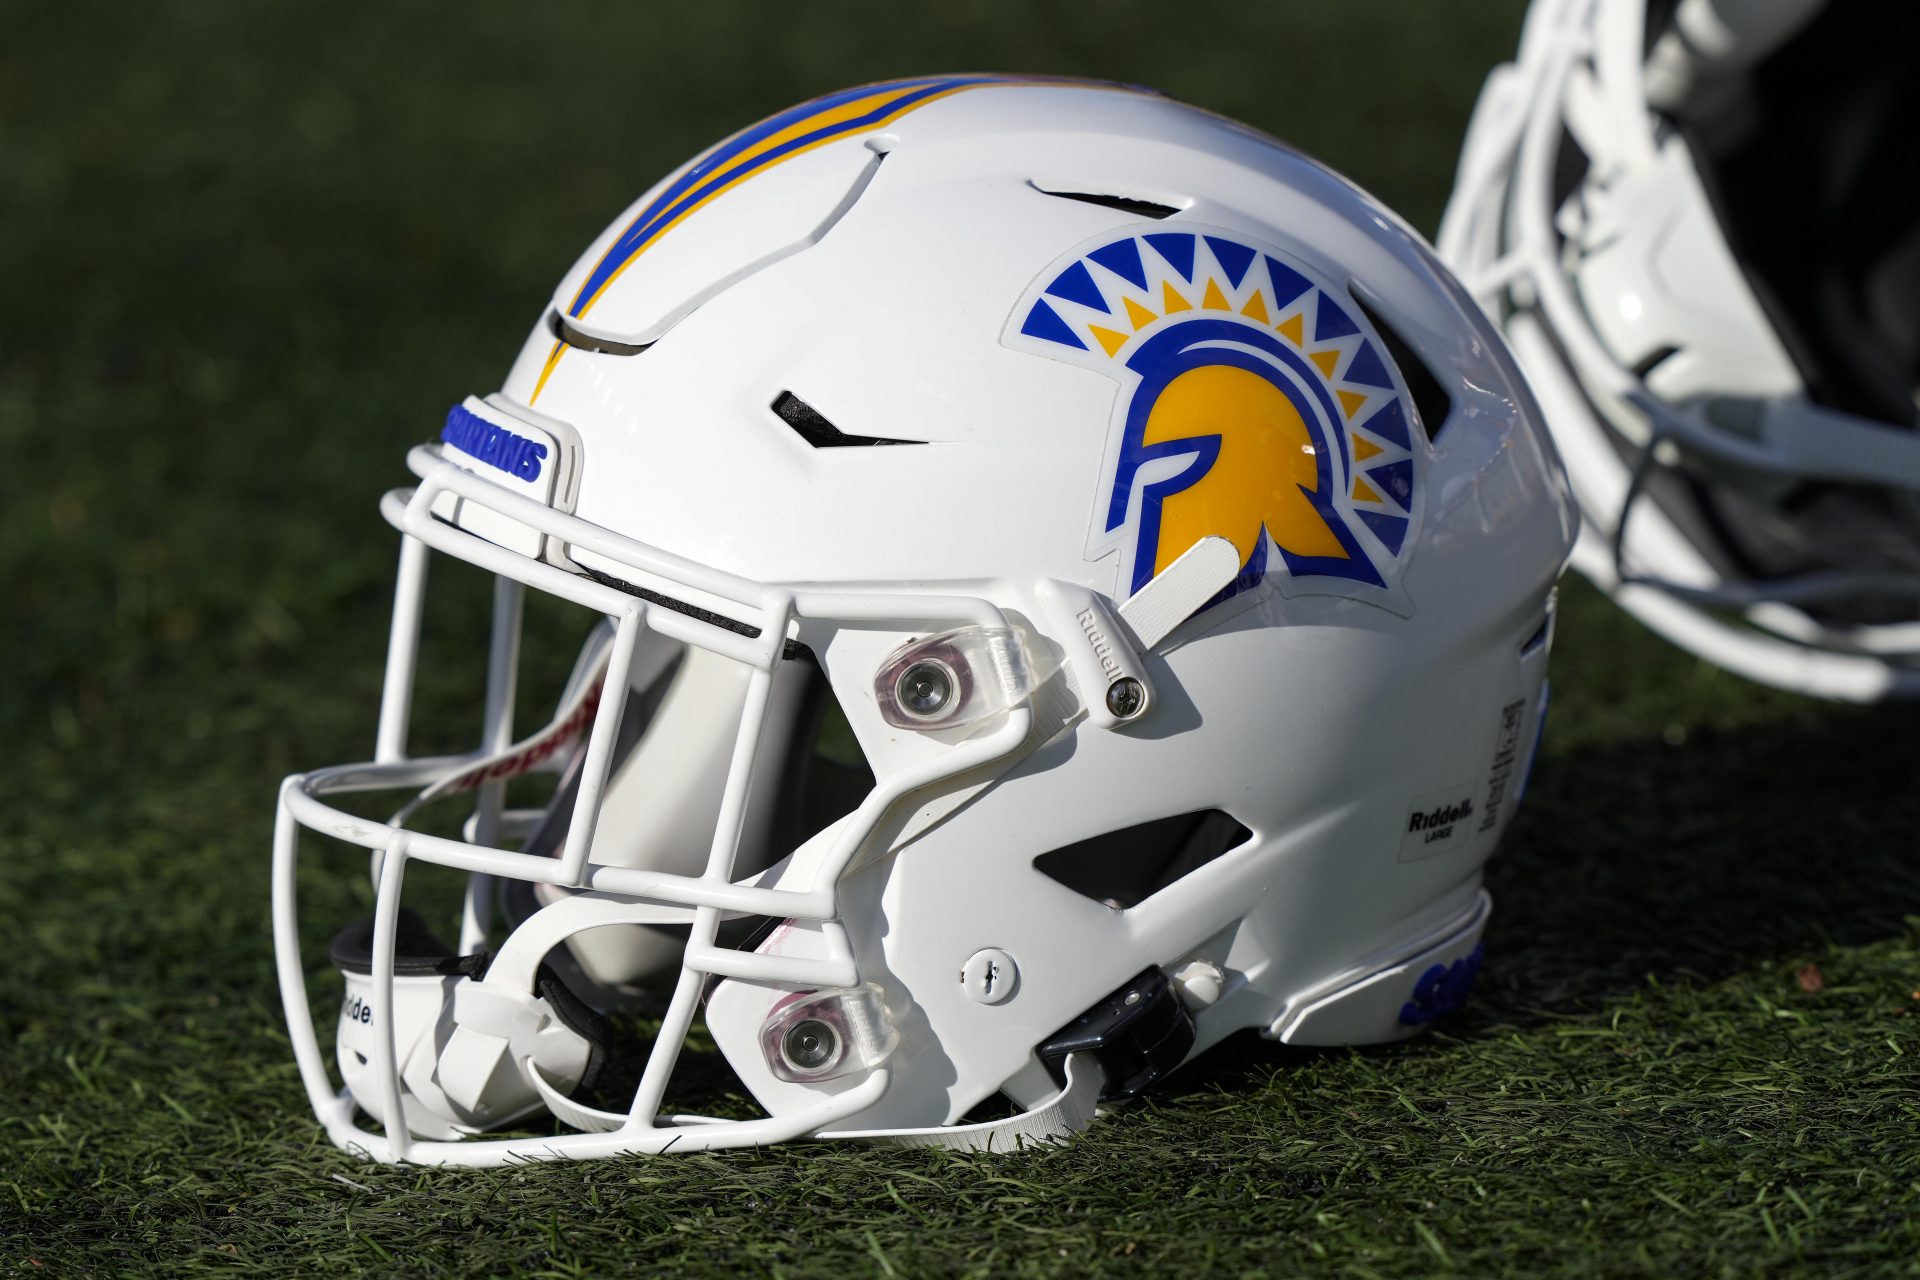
(1438, 822)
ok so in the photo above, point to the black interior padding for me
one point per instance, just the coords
(580, 1018)
(1126, 204)
(417, 951)
(1430, 399)
(1660, 14)
(1811, 174)
(1126, 867)
(791, 649)
(812, 426)
(1653, 360)
(816, 789)
(1570, 167)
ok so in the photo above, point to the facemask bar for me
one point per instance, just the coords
(1499, 234)
(697, 902)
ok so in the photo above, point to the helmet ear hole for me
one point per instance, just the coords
(1124, 868)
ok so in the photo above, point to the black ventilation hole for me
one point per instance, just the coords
(557, 325)
(1430, 399)
(588, 342)
(1126, 204)
(808, 423)
(1539, 636)
(1124, 868)
(1570, 165)
(1653, 360)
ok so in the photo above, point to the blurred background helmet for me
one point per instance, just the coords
(1059, 578)
(1695, 222)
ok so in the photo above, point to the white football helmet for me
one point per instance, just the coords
(1696, 224)
(1172, 534)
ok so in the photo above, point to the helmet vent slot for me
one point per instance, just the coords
(812, 426)
(1653, 360)
(1430, 399)
(1125, 204)
(1126, 867)
(557, 325)
(1538, 637)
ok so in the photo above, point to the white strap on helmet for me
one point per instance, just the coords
(1055, 1119)
(1061, 1116)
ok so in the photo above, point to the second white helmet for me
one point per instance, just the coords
(1696, 223)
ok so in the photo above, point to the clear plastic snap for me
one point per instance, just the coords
(828, 1034)
(956, 679)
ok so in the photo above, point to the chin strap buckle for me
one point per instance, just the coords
(1136, 1034)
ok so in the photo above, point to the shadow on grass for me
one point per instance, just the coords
(1687, 861)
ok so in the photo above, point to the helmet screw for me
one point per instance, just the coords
(810, 1045)
(925, 689)
(990, 976)
(1126, 698)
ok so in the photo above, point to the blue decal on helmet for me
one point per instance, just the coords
(1441, 990)
(496, 446)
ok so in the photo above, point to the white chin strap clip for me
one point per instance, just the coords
(1054, 1119)
(468, 1032)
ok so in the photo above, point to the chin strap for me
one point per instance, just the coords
(548, 747)
(1061, 1116)
(1066, 1113)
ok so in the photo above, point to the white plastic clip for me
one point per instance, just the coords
(1100, 651)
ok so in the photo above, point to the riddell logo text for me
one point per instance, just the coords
(1437, 824)
(1102, 650)
(1445, 816)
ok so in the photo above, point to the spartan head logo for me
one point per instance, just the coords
(1254, 406)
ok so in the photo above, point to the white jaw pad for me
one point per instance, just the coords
(418, 1003)
(479, 1053)
(499, 1034)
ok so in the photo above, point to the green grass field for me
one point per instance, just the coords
(248, 253)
